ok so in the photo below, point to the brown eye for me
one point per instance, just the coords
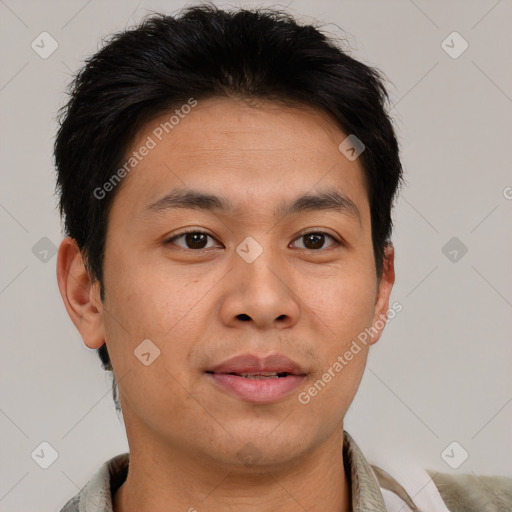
(191, 240)
(316, 240)
(196, 240)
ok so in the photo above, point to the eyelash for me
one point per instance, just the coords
(195, 231)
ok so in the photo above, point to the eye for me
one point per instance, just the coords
(197, 240)
(191, 239)
(315, 240)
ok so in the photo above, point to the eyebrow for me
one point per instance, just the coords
(197, 200)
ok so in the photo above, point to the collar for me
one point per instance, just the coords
(97, 494)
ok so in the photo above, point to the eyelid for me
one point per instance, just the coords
(307, 231)
(186, 231)
(319, 231)
(313, 230)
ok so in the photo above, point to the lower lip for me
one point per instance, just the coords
(261, 391)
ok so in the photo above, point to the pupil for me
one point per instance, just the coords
(318, 240)
(194, 240)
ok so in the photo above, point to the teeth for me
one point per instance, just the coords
(265, 375)
(258, 376)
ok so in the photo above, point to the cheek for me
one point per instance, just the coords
(150, 306)
(344, 308)
(146, 301)
(149, 300)
(345, 304)
(345, 312)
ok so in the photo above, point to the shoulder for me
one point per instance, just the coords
(71, 505)
(96, 495)
(471, 492)
(407, 487)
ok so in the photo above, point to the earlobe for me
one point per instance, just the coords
(80, 294)
(386, 282)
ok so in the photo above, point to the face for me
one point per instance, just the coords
(256, 271)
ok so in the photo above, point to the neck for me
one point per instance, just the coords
(161, 480)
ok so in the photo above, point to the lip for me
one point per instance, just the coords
(266, 390)
(251, 363)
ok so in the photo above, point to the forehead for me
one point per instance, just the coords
(255, 154)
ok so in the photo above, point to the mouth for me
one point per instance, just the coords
(248, 365)
(257, 376)
(257, 379)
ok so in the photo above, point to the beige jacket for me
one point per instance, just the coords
(373, 489)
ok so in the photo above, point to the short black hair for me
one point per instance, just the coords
(204, 52)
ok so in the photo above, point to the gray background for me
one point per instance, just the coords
(441, 371)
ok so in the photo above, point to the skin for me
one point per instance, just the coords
(306, 301)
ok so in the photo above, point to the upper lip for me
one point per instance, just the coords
(253, 365)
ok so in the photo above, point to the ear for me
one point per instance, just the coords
(380, 315)
(81, 297)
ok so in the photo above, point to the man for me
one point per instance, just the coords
(227, 180)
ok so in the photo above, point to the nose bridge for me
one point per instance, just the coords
(261, 262)
(262, 291)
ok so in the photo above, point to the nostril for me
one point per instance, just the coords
(244, 317)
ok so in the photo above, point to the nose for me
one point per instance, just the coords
(260, 294)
